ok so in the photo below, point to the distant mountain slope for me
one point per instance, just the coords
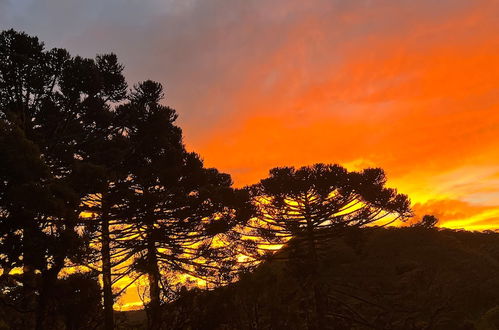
(404, 278)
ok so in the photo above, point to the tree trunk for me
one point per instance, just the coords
(29, 277)
(154, 306)
(41, 308)
(48, 281)
(106, 267)
(319, 295)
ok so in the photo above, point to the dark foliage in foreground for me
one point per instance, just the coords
(74, 141)
(407, 278)
(72, 303)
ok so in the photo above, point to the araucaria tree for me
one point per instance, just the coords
(311, 204)
(174, 209)
(73, 142)
(294, 202)
(49, 111)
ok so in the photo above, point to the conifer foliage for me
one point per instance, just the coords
(96, 176)
(313, 204)
(173, 207)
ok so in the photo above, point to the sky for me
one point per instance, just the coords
(409, 86)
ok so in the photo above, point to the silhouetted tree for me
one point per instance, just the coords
(72, 140)
(45, 215)
(21, 196)
(77, 301)
(56, 109)
(174, 207)
(428, 221)
(101, 163)
(313, 202)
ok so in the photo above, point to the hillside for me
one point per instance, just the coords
(405, 278)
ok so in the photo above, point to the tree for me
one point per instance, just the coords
(101, 164)
(72, 140)
(77, 301)
(57, 109)
(38, 203)
(312, 203)
(428, 221)
(21, 175)
(174, 209)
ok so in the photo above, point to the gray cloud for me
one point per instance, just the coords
(208, 52)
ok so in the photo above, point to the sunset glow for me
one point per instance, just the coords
(414, 91)
(411, 87)
(407, 86)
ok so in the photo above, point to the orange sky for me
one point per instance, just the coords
(410, 86)
(417, 95)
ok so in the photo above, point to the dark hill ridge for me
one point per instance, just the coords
(374, 278)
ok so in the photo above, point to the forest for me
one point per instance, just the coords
(97, 186)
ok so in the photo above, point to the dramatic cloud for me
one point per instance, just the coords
(411, 86)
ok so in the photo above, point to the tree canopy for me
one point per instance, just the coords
(310, 205)
(293, 202)
(97, 176)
